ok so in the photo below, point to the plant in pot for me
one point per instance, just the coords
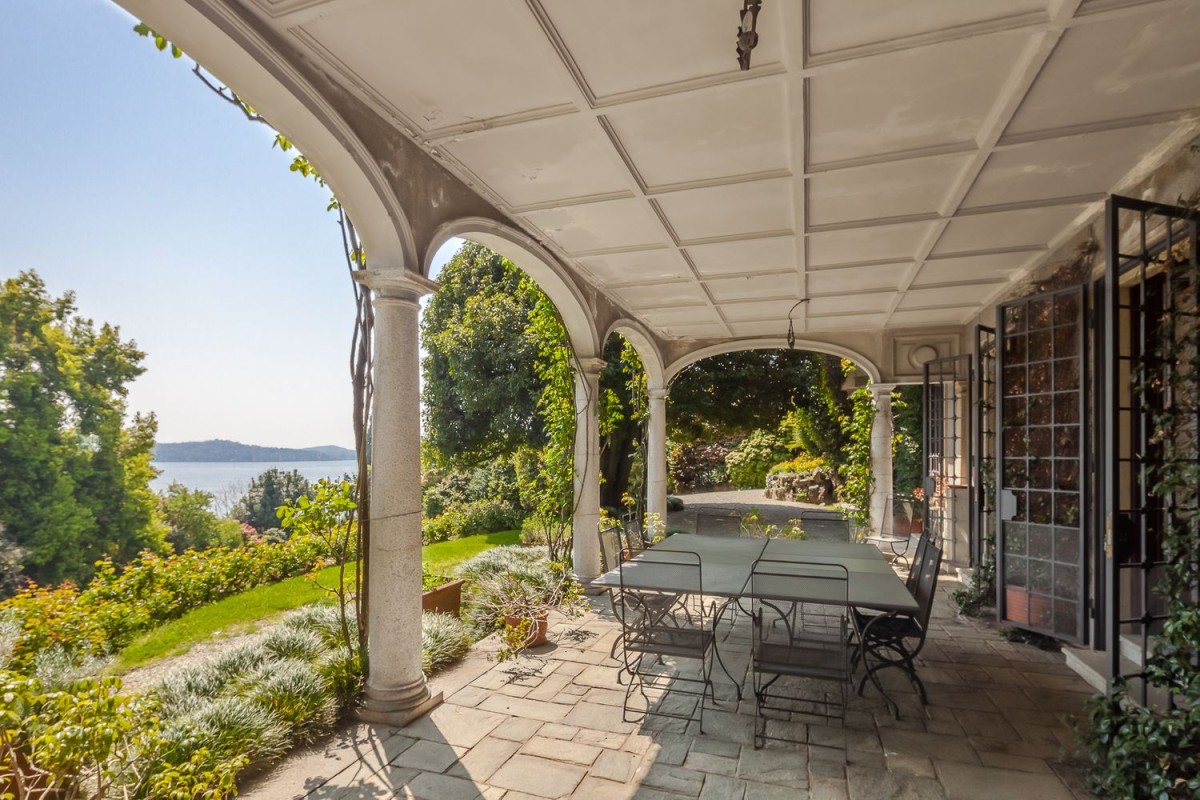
(440, 593)
(519, 605)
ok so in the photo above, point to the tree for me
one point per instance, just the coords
(270, 490)
(481, 387)
(624, 406)
(192, 524)
(74, 473)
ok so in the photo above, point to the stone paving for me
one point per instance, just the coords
(998, 725)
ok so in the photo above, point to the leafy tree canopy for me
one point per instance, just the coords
(192, 524)
(74, 474)
(270, 490)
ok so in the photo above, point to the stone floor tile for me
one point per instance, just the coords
(606, 697)
(611, 741)
(669, 748)
(594, 788)
(614, 765)
(456, 725)
(723, 787)
(824, 789)
(538, 776)
(551, 688)
(864, 783)
(604, 718)
(672, 779)
(779, 767)
(521, 707)
(930, 745)
(470, 696)
(823, 768)
(1020, 763)
(766, 791)
(911, 765)
(309, 768)
(428, 755)
(482, 760)
(711, 764)
(560, 750)
(967, 782)
(367, 787)
(716, 747)
(556, 730)
(430, 786)
(517, 729)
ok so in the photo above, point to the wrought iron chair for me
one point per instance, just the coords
(718, 522)
(898, 542)
(649, 636)
(812, 645)
(895, 640)
(613, 552)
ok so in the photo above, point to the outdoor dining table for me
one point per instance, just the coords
(727, 563)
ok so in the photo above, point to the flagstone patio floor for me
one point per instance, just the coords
(998, 725)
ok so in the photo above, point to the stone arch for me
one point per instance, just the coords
(535, 261)
(225, 44)
(677, 366)
(641, 339)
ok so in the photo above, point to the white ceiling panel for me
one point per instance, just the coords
(684, 330)
(643, 266)
(556, 159)
(740, 208)
(1129, 66)
(843, 322)
(754, 287)
(856, 279)
(858, 302)
(671, 41)
(598, 226)
(691, 315)
(963, 296)
(766, 309)
(660, 295)
(912, 99)
(726, 132)
(1075, 165)
(902, 188)
(995, 266)
(886, 242)
(769, 254)
(397, 48)
(1031, 227)
(931, 316)
(766, 327)
(839, 25)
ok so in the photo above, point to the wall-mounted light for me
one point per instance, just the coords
(747, 35)
(791, 334)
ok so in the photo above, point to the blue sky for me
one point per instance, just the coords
(126, 180)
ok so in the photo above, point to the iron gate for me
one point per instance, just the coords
(1152, 421)
(948, 394)
(1041, 490)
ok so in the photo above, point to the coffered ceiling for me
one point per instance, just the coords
(897, 164)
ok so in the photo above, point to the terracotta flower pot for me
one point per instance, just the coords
(445, 599)
(537, 631)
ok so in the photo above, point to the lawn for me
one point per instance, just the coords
(245, 612)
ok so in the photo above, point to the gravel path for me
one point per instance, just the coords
(139, 679)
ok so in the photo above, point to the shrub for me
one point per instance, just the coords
(674, 503)
(445, 639)
(803, 464)
(234, 726)
(293, 643)
(748, 463)
(700, 465)
(480, 516)
(297, 694)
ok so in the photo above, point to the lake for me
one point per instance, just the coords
(215, 476)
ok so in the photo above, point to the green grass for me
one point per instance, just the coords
(443, 557)
(243, 613)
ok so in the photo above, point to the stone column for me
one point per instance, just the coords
(585, 548)
(881, 456)
(396, 691)
(656, 456)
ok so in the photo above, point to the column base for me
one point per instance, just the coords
(398, 707)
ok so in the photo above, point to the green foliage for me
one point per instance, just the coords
(857, 479)
(74, 479)
(445, 639)
(492, 480)
(674, 503)
(267, 492)
(624, 409)
(733, 394)
(480, 384)
(469, 519)
(803, 464)
(115, 607)
(699, 465)
(907, 424)
(191, 525)
(748, 463)
(817, 424)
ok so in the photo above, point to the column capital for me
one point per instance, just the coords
(879, 389)
(398, 284)
(591, 366)
(658, 394)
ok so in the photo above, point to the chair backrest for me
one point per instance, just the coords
(926, 587)
(650, 584)
(610, 546)
(918, 559)
(809, 639)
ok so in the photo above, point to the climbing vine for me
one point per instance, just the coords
(857, 479)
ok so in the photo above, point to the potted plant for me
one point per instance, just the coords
(440, 593)
(519, 605)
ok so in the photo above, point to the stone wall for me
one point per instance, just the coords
(802, 487)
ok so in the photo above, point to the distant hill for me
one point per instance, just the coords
(224, 450)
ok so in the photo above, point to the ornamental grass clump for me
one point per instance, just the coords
(303, 644)
(296, 694)
(232, 726)
(444, 640)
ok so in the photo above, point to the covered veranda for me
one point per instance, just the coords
(880, 181)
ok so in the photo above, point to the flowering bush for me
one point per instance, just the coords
(480, 516)
(117, 606)
(749, 461)
(700, 465)
(803, 464)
